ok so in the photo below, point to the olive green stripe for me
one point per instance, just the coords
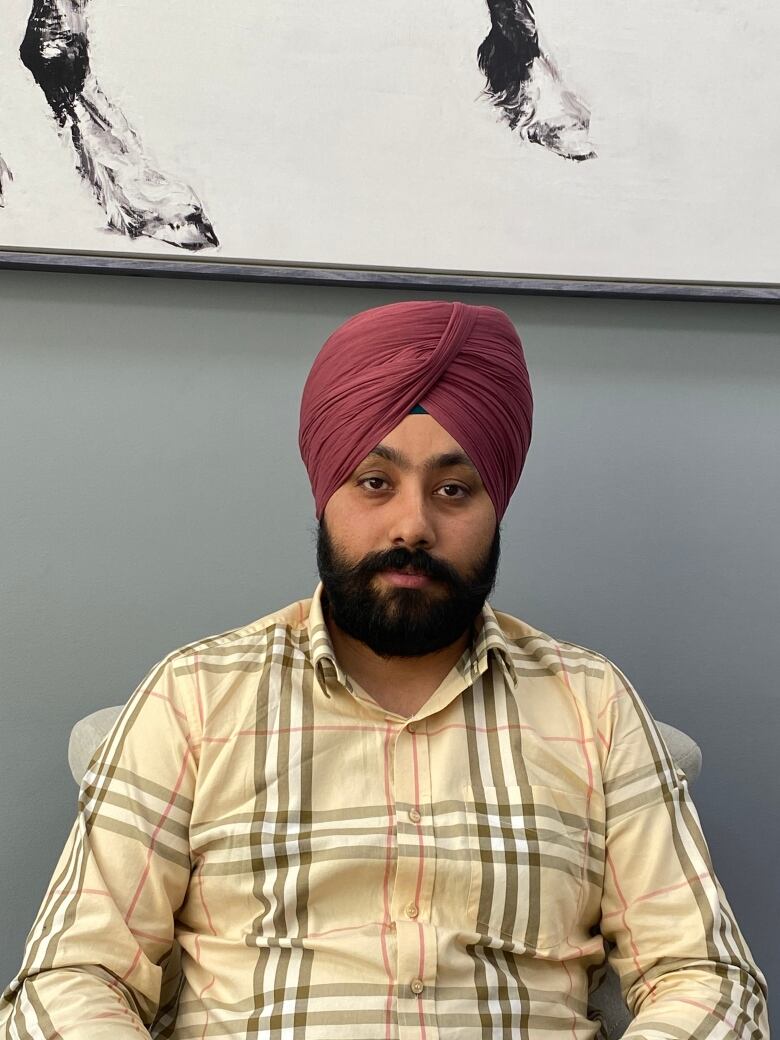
(263, 711)
(135, 810)
(66, 882)
(306, 758)
(485, 692)
(142, 838)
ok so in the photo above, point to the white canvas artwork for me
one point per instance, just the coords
(571, 139)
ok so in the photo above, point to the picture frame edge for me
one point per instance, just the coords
(387, 278)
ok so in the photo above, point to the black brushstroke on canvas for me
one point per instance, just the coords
(57, 55)
(525, 85)
(509, 49)
(138, 199)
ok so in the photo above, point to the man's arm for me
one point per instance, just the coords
(91, 968)
(685, 969)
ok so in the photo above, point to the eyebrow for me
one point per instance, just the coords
(435, 462)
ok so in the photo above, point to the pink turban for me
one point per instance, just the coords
(463, 364)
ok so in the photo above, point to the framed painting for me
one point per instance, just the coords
(572, 146)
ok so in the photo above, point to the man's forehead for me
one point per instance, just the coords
(456, 456)
(420, 442)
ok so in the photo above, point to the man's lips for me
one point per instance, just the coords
(406, 579)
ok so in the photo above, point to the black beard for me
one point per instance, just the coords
(403, 622)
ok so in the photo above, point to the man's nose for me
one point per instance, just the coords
(411, 520)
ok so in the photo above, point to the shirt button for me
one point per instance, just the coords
(417, 986)
(414, 815)
(411, 910)
(412, 728)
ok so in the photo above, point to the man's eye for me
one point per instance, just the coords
(372, 483)
(453, 491)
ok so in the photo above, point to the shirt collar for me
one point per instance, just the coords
(322, 654)
(490, 638)
(489, 641)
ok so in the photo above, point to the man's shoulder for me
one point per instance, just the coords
(554, 674)
(526, 639)
(531, 647)
(250, 640)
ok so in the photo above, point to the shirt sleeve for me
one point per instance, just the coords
(685, 968)
(94, 958)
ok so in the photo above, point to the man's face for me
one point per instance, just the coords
(408, 546)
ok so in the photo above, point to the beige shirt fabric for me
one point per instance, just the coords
(261, 850)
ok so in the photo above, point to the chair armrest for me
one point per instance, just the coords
(85, 737)
(685, 751)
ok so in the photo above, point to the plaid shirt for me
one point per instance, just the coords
(263, 851)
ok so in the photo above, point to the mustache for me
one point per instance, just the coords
(402, 559)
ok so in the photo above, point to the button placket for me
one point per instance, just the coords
(416, 851)
(414, 881)
(416, 936)
(409, 860)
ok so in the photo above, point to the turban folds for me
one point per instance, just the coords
(463, 364)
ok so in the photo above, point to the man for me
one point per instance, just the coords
(388, 811)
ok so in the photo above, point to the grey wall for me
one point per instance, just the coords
(152, 494)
